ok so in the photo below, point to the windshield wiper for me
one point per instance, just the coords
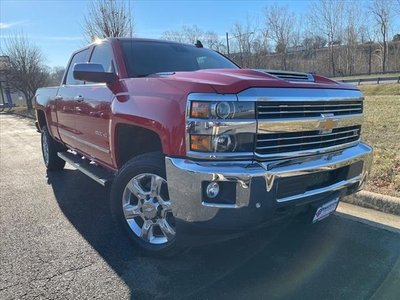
(159, 73)
(165, 73)
(142, 75)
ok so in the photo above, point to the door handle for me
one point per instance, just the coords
(79, 98)
(59, 97)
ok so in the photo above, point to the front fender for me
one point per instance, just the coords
(165, 117)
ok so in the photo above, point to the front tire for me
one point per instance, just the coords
(49, 152)
(141, 207)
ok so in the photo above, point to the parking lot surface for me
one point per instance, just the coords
(58, 241)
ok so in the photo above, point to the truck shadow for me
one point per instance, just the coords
(273, 263)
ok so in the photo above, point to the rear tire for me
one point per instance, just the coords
(141, 207)
(49, 152)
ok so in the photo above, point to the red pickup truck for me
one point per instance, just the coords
(197, 149)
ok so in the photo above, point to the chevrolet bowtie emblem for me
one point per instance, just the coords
(327, 124)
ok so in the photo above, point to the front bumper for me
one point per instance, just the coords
(261, 191)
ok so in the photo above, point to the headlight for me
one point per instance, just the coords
(222, 110)
(221, 128)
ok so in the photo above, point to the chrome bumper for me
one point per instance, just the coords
(261, 188)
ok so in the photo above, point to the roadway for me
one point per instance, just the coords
(58, 241)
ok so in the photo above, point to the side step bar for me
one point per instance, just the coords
(97, 173)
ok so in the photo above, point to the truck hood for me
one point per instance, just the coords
(232, 81)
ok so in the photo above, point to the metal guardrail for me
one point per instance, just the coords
(368, 74)
(373, 80)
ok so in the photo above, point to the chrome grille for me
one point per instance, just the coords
(301, 109)
(274, 143)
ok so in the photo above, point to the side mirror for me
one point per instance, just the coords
(92, 72)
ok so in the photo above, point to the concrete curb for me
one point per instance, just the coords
(383, 203)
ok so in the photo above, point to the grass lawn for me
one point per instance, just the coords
(380, 89)
(381, 130)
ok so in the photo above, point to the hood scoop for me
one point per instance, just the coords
(289, 75)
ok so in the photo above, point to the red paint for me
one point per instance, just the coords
(157, 103)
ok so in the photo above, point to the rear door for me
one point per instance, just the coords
(93, 109)
(66, 103)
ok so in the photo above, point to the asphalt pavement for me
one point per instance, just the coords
(58, 241)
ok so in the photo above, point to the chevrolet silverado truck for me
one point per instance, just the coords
(197, 149)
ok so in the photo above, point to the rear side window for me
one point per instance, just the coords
(146, 58)
(79, 57)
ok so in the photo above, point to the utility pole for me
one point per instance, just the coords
(227, 43)
(235, 37)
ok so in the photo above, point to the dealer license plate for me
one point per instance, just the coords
(325, 210)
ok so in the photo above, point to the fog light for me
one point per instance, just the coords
(212, 189)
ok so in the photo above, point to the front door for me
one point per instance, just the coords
(93, 110)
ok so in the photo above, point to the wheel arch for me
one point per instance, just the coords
(133, 141)
(41, 118)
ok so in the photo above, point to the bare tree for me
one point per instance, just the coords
(296, 38)
(187, 34)
(28, 72)
(397, 7)
(368, 45)
(212, 40)
(245, 36)
(312, 45)
(108, 18)
(326, 17)
(280, 24)
(56, 75)
(382, 12)
(190, 34)
(260, 51)
(351, 34)
(173, 35)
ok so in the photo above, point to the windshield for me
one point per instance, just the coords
(149, 57)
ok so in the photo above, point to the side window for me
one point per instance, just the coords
(78, 58)
(102, 54)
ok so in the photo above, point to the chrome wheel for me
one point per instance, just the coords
(147, 209)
